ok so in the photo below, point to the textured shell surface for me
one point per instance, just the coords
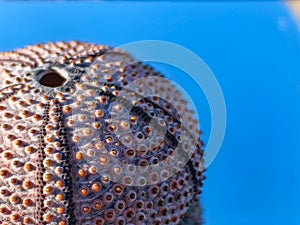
(81, 141)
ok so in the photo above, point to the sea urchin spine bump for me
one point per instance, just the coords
(84, 130)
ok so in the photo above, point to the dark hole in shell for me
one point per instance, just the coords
(52, 79)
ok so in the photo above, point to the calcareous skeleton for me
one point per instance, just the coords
(88, 135)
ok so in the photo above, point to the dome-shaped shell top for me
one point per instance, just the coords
(88, 135)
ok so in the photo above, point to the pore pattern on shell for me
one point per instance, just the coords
(61, 152)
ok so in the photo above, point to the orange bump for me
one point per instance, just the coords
(67, 109)
(79, 156)
(4, 172)
(28, 167)
(48, 190)
(59, 183)
(15, 217)
(26, 202)
(84, 191)
(85, 209)
(95, 187)
(63, 222)
(81, 172)
(60, 197)
(47, 218)
(27, 220)
(97, 205)
(60, 210)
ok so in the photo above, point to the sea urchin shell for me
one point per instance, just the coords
(68, 155)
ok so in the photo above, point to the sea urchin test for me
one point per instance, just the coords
(88, 135)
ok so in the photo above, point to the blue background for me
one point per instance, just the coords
(253, 50)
